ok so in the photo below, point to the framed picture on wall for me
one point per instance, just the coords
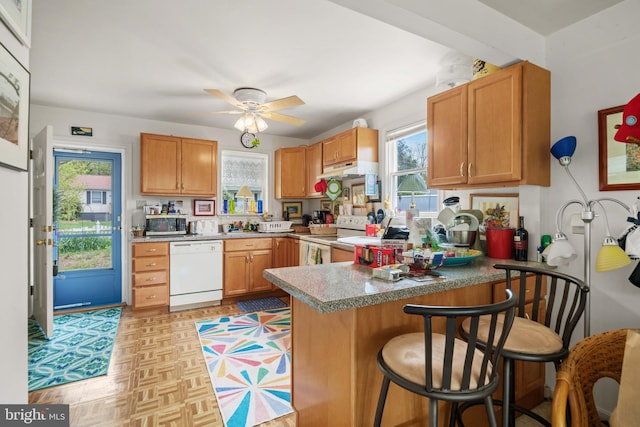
(619, 162)
(14, 117)
(498, 210)
(293, 208)
(204, 207)
(357, 192)
(16, 14)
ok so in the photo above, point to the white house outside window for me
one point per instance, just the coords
(407, 155)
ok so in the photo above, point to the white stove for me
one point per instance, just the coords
(351, 225)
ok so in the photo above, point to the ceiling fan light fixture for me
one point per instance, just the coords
(251, 122)
(260, 123)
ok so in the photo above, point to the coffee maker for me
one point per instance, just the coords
(320, 216)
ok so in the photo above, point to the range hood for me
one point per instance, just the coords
(352, 169)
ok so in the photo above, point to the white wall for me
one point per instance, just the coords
(594, 66)
(14, 255)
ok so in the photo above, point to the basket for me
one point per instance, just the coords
(274, 226)
(300, 229)
(323, 229)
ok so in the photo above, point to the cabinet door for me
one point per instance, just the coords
(199, 167)
(290, 174)
(495, 127)
(447, 137)
(236, 278)
(280, 252)
(341, 255)
(259, 261)
(314, 168)
(159, 164)
(347, 146)
(330, 150)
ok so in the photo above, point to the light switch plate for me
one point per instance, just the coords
(577, 225)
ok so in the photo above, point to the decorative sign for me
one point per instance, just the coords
(82, 131)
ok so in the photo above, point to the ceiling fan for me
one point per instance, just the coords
(251, 104)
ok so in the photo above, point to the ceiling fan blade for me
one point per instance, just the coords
(218, 112)
(282, 103)
(283, 118)
(225, 97)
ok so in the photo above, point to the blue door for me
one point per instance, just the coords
(87, 241)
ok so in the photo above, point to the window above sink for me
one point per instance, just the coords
(239, 169)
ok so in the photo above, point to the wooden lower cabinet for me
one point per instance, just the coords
(286, 252)
(150, 275)
(244, 261)
(341, 255)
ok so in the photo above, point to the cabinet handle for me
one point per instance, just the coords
(151, 297)
(152, 250)
(469, 170)
(251, 258)
(462, 169)
(246, 259)
(151, 279)
(151, 264)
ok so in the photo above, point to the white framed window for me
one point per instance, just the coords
(407, 166)
(238, 169)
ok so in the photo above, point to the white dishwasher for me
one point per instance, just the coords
(195, 278)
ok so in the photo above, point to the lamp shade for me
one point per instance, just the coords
(244, 193)
(564, 149)
(413, 183)
(560, 252)
(611, 256)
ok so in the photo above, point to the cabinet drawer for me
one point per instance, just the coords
(150, 249)
(247, 244)
(150, 264)
(150, 296)
(150, 278)
(499, 289)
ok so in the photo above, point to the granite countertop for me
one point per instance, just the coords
(343, 285)
(219, 236)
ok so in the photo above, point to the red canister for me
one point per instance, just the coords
(500, 242)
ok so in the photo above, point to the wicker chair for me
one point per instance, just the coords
(593, 358)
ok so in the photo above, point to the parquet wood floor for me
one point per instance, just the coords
(157, 377)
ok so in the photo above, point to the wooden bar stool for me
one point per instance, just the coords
(541, 331)
(442, 366)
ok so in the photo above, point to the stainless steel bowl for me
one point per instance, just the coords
(462, 237)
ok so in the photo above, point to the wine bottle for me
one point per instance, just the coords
(521, 242)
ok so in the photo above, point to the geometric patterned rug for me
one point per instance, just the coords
(248, 357)
(80, 347)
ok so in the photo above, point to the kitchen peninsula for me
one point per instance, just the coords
(341, 317)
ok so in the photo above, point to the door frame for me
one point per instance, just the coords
(101, 279)
(125, 151)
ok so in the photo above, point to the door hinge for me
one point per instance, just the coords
(31, 290)
(30, 222)
(30, 154)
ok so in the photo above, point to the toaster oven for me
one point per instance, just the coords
(165, 225)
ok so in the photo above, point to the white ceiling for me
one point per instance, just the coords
(153, 58)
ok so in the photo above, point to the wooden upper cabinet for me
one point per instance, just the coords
(447, 121)
(172, 165)
(314, 168)
(351, 145)
(493, 131)
(290, 172)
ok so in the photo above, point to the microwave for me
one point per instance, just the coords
(165, 225)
